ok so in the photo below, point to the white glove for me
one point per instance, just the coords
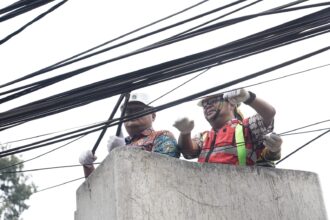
(273, 142)
(114, 142)
(236, 97)
(184, 125)
(87, 158)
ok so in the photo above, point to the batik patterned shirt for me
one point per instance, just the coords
(162, 142)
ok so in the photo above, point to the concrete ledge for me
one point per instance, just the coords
(135, 184)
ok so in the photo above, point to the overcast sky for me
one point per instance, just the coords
(80, 24)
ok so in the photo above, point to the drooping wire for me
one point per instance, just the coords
(46, 69)
(21, 7)
(5, 39)
(156, 45)
(61, 184)
(44, 168)
(295, 151)
(161, 107)
(46, 134)
(306, 126)
(177, 87)
(173, 69)
(305, 132)
(43, 154)
(246, 86)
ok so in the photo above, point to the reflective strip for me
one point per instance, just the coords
(240, 143)
(227, 150)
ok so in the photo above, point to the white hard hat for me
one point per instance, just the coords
(139, 97)
(199, 103)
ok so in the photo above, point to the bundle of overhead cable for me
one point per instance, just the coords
(21, 7)
(299, 29)
(308, 26)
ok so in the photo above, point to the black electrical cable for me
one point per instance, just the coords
(306, 126)
(115, 109)
(45, 134)
(41, 84)
(40, 155)
(44, 168)
(17, 5)
(285, 76)
(31, 6)
(65, 62)
(162, 107)
(99, 86)
(61, 184)
(305, 132)
(93, 85)
(5, 39)
(156, 45)
(182, 84)
(295, 151)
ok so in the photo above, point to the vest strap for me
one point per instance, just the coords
(240, 144)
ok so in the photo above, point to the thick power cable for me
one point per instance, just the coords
(44, 83)
(192, 59)
(141, 50)
(108, 61)
(187, 64)
(246, 86)
(21, 10)
(161, 107)
(31, 22)
(56, 65)
(115, 109)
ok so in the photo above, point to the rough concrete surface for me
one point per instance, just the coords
(135, 184)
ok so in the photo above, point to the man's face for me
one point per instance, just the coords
(135, 126)
(212, 107)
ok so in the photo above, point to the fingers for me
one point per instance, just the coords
(273, 141)
(87, 158)
(184, 125)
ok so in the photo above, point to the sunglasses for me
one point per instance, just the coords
(212, 101)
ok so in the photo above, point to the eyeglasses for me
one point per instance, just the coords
(212, 101)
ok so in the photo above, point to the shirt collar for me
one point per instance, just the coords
(144, 133)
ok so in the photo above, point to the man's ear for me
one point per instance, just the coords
(153, 116)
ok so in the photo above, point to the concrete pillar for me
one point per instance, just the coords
(135, 184)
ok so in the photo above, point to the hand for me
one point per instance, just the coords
(114, 142)
(87, 158)
(184, 125)
(236, 97)
(273, 142)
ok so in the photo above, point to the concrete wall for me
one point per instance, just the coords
(134, 184)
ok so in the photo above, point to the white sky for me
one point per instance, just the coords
(80, 24)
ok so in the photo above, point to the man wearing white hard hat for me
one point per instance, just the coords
(232, 139)
(141, 134)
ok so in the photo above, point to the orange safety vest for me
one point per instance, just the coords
(221, 146)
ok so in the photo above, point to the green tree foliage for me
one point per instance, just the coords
(15, 188)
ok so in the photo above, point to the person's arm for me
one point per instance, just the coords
(87, 159)
(88, 170)
(189, 148)
(264, 109)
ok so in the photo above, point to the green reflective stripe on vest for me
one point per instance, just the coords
(240, 144)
